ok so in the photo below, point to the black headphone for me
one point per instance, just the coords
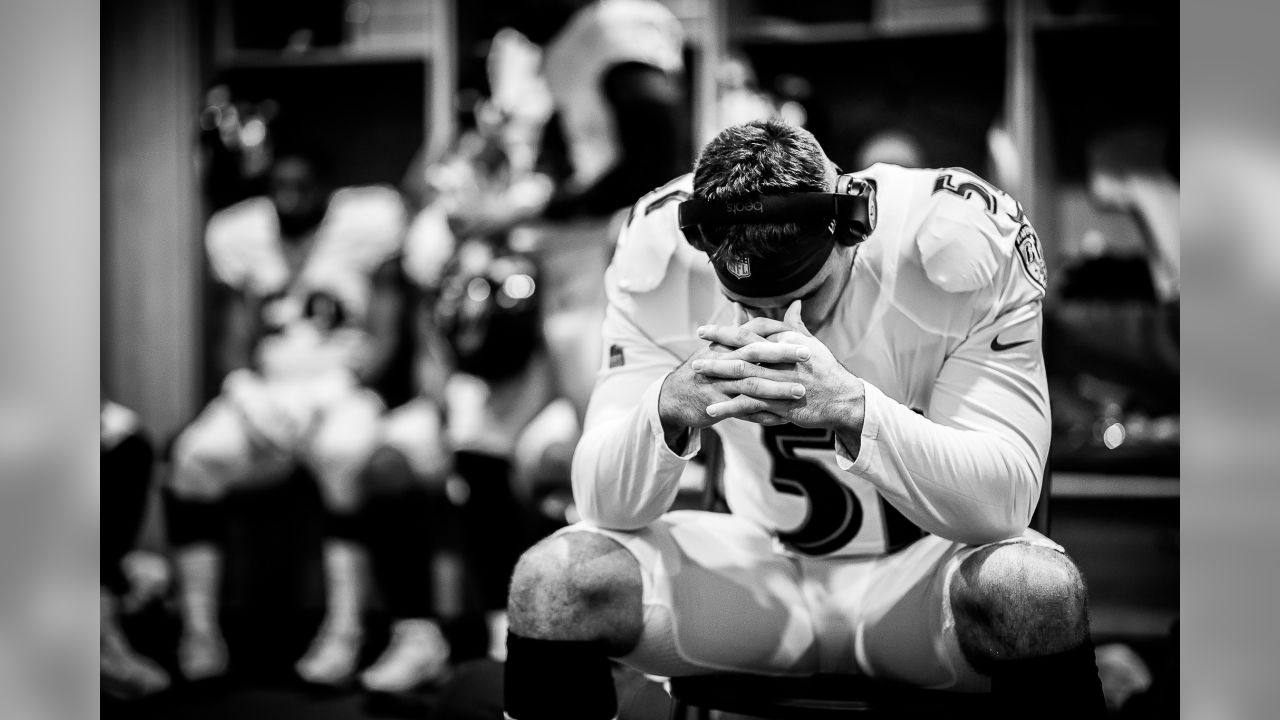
(852, 207)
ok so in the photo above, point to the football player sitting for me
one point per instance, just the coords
(310, 322)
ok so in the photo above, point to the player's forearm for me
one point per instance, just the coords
(624, 474)
(964, 485)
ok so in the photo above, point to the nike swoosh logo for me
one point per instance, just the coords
(997, 346)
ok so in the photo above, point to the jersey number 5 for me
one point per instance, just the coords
(834, 515)
(963, 184)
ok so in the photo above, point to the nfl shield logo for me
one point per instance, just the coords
(738, 267)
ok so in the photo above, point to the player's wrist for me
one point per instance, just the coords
(849, 410)
(675, 428)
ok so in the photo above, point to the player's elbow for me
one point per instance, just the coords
(614, 518)
(610, 510)
(605, 498)
(988, 527)
(1006, 510)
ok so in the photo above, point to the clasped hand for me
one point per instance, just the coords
(764, 371)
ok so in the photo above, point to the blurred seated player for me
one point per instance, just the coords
(613, 70)
(509, 428)
(310, 317)
(487, 412)
(130, 576)
(867, 347)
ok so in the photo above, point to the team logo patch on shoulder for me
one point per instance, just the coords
(1028, 248)
(738, 267)
(616, 358)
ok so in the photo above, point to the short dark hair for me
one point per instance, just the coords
(765, 157)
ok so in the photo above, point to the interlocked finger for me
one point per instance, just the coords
(761, 388)
(764, 327)
(744, 405)
(773, 352)
(733, 369)
(764, 418)
(734, 337)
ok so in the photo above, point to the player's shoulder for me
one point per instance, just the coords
(246, 223)
(650, 241)
(367, 222)
(241, 238)
(964, 233)
(657, 280)
(375, 209)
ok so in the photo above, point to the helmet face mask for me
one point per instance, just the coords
(489, 312)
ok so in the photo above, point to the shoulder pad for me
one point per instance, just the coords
(241, 242)
(368, 222)
(650, 237)
(959, 244)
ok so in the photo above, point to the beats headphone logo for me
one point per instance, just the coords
(734, 208)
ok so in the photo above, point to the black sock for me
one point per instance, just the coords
(402, 544)
(126, 482)
(492, 525)
(1062, 685)
(558, 680)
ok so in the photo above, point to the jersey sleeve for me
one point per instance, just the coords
(624, 474)
(970, 467)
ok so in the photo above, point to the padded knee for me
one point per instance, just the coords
(1019, 600)
(580, 584)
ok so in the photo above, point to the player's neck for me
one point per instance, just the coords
(842, 281)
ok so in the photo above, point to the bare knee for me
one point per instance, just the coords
(578, 586)
(1018, 601)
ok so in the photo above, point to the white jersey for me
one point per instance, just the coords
(941, 319)
(314, 321)
(598, 37)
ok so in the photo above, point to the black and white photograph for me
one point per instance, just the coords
(640, 359)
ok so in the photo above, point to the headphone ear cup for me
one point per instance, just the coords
(851, 184)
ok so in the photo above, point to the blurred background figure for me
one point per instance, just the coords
(488, 394)
(508, 253)
(614, 72)
(1114, 331)
(310, 319)
(510, 431)
(131, 576)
